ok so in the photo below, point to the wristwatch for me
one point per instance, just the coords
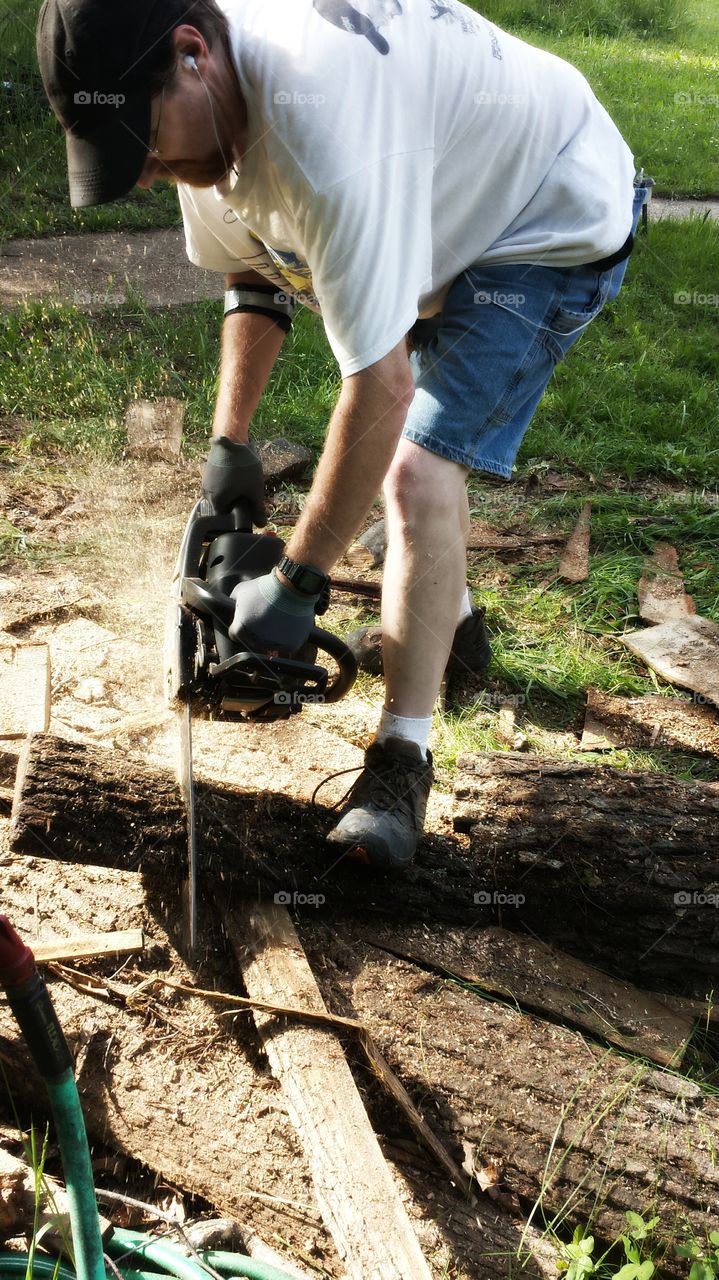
(310, 582)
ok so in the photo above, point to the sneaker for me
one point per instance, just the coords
(470, 648)
(384, 814)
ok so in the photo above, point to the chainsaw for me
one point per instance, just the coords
(212, 676)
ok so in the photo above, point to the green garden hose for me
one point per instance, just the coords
(30, 1002)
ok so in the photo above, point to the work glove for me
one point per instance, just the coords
(234, 471)
(270, 617)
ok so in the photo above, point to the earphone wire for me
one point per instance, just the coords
(191, 63)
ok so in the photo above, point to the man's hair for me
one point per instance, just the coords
(212, 25)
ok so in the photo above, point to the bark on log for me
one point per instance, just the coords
(585, 1131)
(618, 866)
(595, 898)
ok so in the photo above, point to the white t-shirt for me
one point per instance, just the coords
(392, 145)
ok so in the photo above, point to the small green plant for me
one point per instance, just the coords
(579, 1261)
(704, 1260)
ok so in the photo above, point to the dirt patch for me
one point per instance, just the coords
(92, 271)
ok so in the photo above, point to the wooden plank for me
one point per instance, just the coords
(685, 652)
(358, 1199)
(544, 980)
(24, 690)
(89, 946)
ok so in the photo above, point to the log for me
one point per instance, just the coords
(368, 551)
(582, 1132)
(599, 901)
(620, 867)
(354, 1188)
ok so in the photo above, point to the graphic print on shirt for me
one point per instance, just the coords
(289, 272)
(452, 12)
(364, 21)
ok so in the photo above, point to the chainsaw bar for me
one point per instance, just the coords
(187, 787)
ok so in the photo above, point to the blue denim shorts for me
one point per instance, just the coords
(482, 365)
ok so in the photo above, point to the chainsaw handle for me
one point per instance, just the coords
(344, 658)
(196, 594)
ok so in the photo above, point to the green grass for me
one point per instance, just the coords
(639, 393)
(603, 17)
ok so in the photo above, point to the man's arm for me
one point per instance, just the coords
(361, 440)
(250, 346)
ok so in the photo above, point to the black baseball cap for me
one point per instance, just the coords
(97, 59)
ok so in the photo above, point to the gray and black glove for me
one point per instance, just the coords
(234, 471)
(270, 617)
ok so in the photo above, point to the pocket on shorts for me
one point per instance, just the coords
(586, 293)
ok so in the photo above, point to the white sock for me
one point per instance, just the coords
(466, 606)
(409, 728)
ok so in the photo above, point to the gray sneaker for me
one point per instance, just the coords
(384, 813)
(470, 647)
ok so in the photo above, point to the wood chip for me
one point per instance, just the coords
(574, 562)
(684, 652)
(651, 721)
(661, 587)
(154, 428)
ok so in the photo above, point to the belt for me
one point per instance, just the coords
(614, 258)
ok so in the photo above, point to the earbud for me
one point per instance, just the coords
(189, 61)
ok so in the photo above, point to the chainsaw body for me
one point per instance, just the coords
(204, 666)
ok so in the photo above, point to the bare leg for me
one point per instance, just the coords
(425, 574)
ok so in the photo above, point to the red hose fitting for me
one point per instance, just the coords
(17, 962)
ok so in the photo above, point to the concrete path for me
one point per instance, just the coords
(92, 271)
